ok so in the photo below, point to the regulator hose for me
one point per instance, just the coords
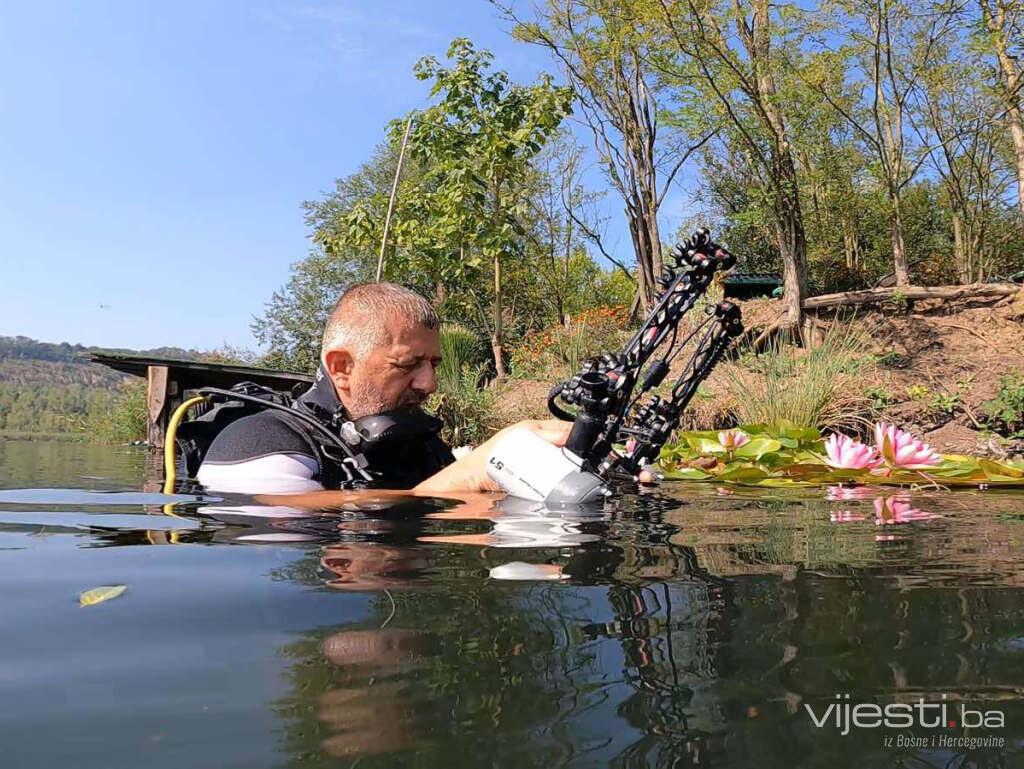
(170, 463)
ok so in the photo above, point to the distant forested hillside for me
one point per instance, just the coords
(51, 388)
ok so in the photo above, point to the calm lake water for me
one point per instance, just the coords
(684, 628)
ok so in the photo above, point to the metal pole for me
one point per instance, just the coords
(391, 200)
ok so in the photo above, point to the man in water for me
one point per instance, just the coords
(380, 349)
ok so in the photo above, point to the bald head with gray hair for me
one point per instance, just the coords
(360, 319)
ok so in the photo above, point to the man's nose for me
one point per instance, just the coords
(425, 380)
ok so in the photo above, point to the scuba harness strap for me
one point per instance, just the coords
(345, 450)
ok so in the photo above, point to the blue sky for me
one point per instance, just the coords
(154, 156)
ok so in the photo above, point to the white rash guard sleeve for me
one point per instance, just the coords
(269, 474)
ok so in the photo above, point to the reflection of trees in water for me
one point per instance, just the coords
(459, 674)
(469, 671)
(643, 658)
(670, 643)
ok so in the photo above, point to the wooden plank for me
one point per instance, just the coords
(157, 390)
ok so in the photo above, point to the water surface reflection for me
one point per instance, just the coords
(675, 635)
(689, 627)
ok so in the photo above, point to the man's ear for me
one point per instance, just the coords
(339, 367)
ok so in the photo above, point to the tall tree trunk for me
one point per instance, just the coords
(851, 247)
(496, 333)
(899, 249)
(654, 235)
(1013, 116)
(997, 24)
(791, 237)
(646, 288)
(960, 250)
(791, 247)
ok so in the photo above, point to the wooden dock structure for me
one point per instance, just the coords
(170, 380)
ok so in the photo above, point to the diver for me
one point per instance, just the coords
(380, 349)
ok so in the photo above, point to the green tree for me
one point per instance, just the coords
(644, 132)
(1002, 33)
(873, 80)
(121, 419)
(732, 51)
(293, 320)
(463, 219)
(561, 222)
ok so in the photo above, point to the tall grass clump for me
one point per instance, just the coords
(815, 387)
(123, 420)
(460, 349)
(465, 407)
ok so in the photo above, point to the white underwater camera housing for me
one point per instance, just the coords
(527, 466)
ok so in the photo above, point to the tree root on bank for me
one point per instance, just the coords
(960, 326)
(761, 335)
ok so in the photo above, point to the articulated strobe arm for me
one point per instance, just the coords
(654, 421)
(604, 397)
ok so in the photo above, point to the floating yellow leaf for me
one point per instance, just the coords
(101, 594)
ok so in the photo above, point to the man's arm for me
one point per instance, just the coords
(259, 454)
(470, 472)
(465, 480)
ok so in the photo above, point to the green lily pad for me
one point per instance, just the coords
(757, 448)
(704, 445)
(742, 473)
(687, 474)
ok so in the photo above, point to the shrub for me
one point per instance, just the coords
(816, 387)
(879, 398)
(945, 403)
(460, 348)
(1005, 413)
(558, 352)
(918, 392)
(124, 420)
(467, 413)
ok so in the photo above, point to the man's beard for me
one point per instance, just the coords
(369, 402)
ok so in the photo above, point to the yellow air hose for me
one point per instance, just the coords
(170, 464)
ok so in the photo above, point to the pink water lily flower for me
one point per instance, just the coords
(733, 439)
(846, 493)
(898, 509)
(845, 453)
(902, 449)
(845, 516)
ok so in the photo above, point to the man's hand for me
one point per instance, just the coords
(469, 474)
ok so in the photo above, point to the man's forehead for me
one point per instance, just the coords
(403, 334)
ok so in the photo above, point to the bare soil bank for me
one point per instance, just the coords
(935, 364)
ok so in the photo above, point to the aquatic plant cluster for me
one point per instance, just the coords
(787, 455)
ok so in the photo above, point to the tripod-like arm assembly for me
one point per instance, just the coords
(606, 393)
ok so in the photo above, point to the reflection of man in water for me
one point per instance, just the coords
(380, 349)
(372, 706)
